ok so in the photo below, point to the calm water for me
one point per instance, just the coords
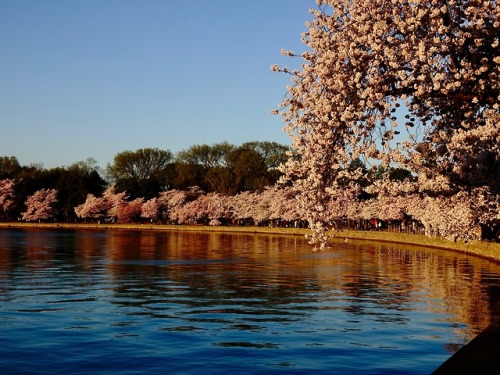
(182, 303)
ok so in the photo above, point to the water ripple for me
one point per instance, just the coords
(136, 303)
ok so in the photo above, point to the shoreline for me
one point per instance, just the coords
(487, 250)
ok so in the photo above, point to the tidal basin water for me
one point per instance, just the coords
(143, 302)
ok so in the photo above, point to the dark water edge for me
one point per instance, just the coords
(479, 356)
(143, 302)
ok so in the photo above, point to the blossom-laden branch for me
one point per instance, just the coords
(369, 64)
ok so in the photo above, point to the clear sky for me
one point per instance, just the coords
(93, 78)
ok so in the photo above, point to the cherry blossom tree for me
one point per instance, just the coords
(6, 196)
(40, 205)
(115, 202)
(261, 211)
(243, 205)
(391, 202)
(143, 172)
(290, 210)
(272, 206)
(128, 211)
(93, 208)
(151, 209)
(208, 209)
(219, 209)
(106, 206)
(461, 216)
(342, 205)
(276, 205)
(172, 200)
(412, 84)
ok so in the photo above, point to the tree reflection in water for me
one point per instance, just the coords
(203, 290)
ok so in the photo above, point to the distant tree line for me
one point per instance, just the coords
(229, 185)
(32, 193)
(221, 168)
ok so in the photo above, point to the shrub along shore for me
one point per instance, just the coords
(488, 250)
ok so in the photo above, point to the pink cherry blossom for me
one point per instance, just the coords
(6, 196)
(40, 205)
(397, 83)
(151, 209)
(128, 211)
(93, 208)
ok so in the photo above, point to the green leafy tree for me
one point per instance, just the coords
(142, 173)
(187, 175)
(244, 170)
(221, 180)
(205, 155)
(249, 169)
(74, 183)
(9, 167)
(202, 166)
(273, 154)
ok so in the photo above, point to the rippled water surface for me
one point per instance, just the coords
(75, 302)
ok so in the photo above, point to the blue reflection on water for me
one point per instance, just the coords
(138, 302)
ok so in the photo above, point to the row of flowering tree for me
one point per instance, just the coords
(456, 217)
(40, 206)
(193, 206)
(461, 216)
(223, 167)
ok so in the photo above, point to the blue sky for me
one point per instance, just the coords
(93, 78)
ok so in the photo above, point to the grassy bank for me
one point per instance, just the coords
(477, 248)
(154, 227)
(489, 250)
